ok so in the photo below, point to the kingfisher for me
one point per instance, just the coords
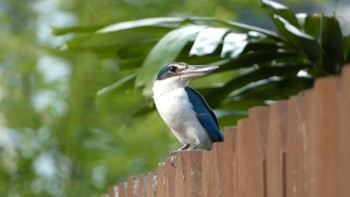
(183, 109)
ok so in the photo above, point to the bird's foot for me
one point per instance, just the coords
(173, 154)
(195, 146)
(185, 147)
(172, 158)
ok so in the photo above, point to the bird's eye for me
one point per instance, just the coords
(172, 69)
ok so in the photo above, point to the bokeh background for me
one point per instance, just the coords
(58, 137)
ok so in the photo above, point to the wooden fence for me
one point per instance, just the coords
(294, 148)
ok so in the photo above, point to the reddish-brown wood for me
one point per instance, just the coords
(229, 176)
(303, 117)
(151, 184)
(131, 186)
(218, 160)
(294, 150)
(180, 176)
(113, 191)
(275, 149)
(122, 190)
(161, 180)
(343, 170)
(170, 179)
(322, 138)
(207, 174)
(142, 186)
(193, 173)
(259, 117)
(249, 159)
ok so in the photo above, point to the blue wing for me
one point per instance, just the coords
(205, 115)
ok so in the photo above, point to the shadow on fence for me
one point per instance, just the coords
(298, 147)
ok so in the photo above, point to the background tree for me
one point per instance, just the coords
(74, 123)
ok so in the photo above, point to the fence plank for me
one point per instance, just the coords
(260, 122)
(151, 184)
(218, 165)
(188, 173)
(113, 191)
(229, 177)
(249, 157)
(193, 170)
(295, 149)
(142, 186)
(322, 138)
(122, 189)
(343, 170)
(304, 109)
(170, 179)
(161, 180)
(275, 153)
(130, 186)
(179, 175)
(207, 174)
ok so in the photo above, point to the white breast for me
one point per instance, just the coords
(175, 109)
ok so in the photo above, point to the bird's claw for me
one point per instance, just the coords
(173, 154)
(172, 158)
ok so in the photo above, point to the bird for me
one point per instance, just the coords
(183, 109)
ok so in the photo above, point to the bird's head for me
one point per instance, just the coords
(180, 71)
(178, 74)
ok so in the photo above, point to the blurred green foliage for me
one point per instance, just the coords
(73, 123)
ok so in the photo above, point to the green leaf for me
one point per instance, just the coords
(275, 89)
(259, 58)
(142, 110)
(226, 117)
(312, 26)
(332, 45)
(165, 51)
(240, 26)
(208, 41)
(198, 60)
(236, 103)
(284, 12)
(234, 44)
(169, 22)
(347, 49)
(230, 120)
(328, 32)
(126, 54)
(77, 29)
(100, 41)
(298, 39)
(116, 84)
(218, 94)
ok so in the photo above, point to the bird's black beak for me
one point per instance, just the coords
(196, 71)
